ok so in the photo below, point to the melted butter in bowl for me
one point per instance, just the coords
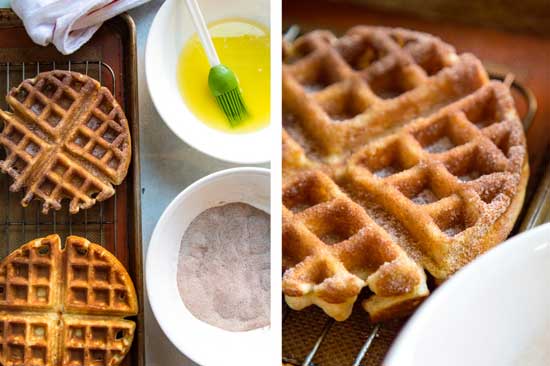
(243, 46)
(177, 77)
(224, 267)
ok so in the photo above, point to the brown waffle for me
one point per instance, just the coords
(64, 306)
(67, 138)
(399, 156)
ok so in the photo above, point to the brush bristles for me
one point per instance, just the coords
(232, 104)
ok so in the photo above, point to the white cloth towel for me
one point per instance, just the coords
(68, 24)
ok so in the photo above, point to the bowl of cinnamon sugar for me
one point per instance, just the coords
(208, 269)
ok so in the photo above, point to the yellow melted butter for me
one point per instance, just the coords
(243, 46)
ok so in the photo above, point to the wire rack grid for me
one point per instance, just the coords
(18, 225)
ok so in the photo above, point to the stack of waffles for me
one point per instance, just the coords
(64, 306)
(400, 159)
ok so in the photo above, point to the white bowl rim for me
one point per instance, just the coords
(521, 244)
(190, 353)
(251, 157)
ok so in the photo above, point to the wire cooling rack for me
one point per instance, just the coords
(18, 225)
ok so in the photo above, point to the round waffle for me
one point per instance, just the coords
(399, 157)
(64, 306)
(67, 138)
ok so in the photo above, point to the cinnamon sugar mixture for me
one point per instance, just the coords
(224, 267)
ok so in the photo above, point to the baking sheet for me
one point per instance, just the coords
(116, 223)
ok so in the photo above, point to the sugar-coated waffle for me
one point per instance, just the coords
(67, 138)
(399, 157)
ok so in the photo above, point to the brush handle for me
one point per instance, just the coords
(202, 30)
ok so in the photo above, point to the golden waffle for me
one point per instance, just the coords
(64, 306)
(399, 156)
(67, 138)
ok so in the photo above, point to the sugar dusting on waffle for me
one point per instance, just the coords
(67, 138)
(420, 147)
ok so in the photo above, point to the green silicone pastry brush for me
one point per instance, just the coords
(222, 82)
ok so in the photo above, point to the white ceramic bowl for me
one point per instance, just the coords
(495, 311)
(169, 32)
(203, 343)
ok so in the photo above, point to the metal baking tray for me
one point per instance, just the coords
(109, 57)
(311, 338)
